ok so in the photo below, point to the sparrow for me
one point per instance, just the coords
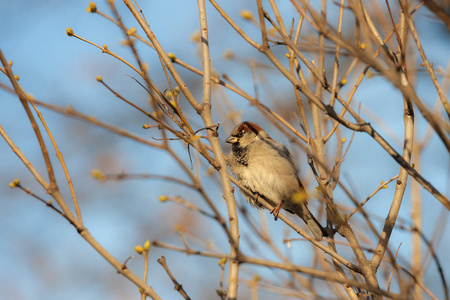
(267, 168)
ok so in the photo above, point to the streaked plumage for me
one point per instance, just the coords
(266, 167)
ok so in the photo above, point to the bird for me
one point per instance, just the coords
(267, 168)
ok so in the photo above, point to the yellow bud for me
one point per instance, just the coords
(362, 46)
(413, 165)
(131, 31)
(299, 197)
(147, 245)
(343, 81)
(287, 55)
(50, 202)
(385, 186)
(141, 290)
(228, 54)
(145, 67)
(157, 114)
(222, 262)
(171, 56)
(69, 31)
(221, 294)
(139, 249)
(163, 198)
(256, 278)
(195, 37)
(69, 109)
(173, 103)
(246, 14)
(16, 77)
(14, 183)
(10, 63)
(343, 140)
(97, 174)
(194, 137)
(92, 8)
(272, 31)
(168, 94)
(105, 47)
(146, 126)
(99, 78)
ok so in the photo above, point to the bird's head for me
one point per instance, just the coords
(246, 133)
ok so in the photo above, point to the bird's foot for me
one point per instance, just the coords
(276, 211)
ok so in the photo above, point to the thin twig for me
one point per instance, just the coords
(178, 287)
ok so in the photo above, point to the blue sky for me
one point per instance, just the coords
(41, 255)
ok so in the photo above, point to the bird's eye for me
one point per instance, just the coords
(240, 134)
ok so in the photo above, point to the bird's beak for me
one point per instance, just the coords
(232, 140)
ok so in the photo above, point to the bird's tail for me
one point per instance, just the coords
(303, 212)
